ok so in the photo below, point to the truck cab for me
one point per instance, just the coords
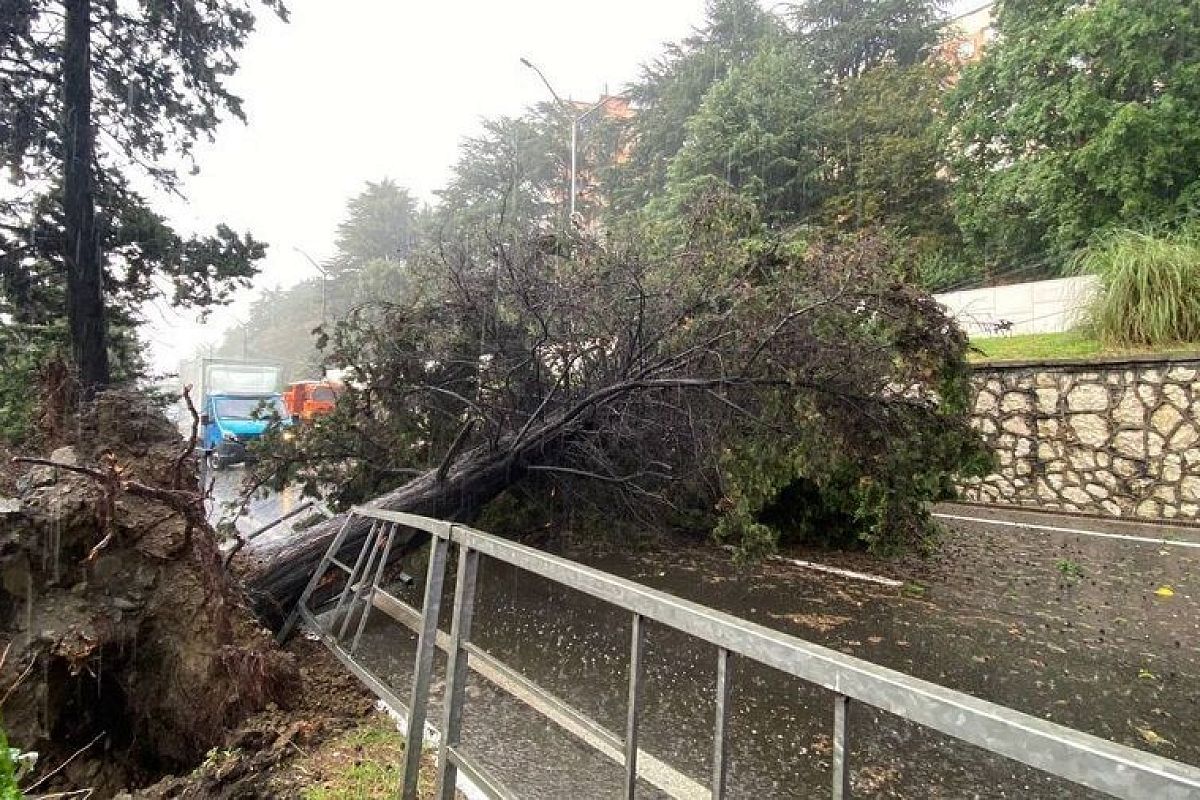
(232, 420)
(310, 399)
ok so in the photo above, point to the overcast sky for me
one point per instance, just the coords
(357, 90)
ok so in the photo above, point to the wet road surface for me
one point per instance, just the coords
(225, 500)
(1093, 632)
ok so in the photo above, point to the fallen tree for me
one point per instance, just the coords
(714, 376)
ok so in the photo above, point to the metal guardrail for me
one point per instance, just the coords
(1075, 756)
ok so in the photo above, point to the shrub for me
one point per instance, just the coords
(946, 271)
(1149, 287)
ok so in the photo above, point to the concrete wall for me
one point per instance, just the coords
(1119, 438)
(1036, 307)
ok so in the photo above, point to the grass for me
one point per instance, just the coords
(365, 763)
(1068, 569)
(1071, 344)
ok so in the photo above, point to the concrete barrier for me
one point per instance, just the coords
(1050, 306)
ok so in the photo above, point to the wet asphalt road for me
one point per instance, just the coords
(226, 496)
(1095, 625)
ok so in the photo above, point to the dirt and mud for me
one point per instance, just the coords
(285, 752)
(128, 652)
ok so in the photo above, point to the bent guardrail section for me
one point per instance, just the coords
(1084, 759)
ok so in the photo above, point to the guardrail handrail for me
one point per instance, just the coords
(1051, 748)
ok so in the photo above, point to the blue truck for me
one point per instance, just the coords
(238, 402)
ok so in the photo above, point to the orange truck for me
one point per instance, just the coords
(310, 399)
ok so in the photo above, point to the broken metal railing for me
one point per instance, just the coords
(1054, 749)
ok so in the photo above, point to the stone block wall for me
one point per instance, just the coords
(1114, 437)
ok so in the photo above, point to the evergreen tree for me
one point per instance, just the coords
(672, 88)
(846, 38)
(380, 224)
(1079, 117)
(86, 88)
(882, 149)
(756, 133)
(510, 179)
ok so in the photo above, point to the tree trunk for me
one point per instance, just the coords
(85, 298)
(275, 570)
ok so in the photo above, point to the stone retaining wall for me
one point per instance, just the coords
(1113, 437)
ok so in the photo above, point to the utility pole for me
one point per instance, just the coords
(575, 120)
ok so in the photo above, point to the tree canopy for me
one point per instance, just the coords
(88, 92)
(671, 89)
(381, 223)
(756, 131)
(711, 377)
(1079, 117)
(847, 38)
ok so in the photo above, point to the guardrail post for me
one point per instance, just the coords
(456, 671)
(634, 707)
(418, 703)
(841, 752)
(286, 630)
(338, 612)
(721, 734)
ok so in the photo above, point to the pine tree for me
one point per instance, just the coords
(85, 89)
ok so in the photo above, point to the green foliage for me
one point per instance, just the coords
(815, 484)
(1068, 569)
(846, 39)
(24, 351)
(882, 152)
(509, 180)
(8, 770)
(380, 225)
(812, 146)
(1080, 117)
(1149, 291)
(946, 270)
(158, 76)
(672, 88)
(755, 133)
(718, 370)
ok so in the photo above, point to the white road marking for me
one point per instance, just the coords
(845, 573)
(1099, 534)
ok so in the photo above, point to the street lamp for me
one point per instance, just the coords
(575, 120)
(324, 275)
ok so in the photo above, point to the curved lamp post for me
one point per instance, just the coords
(575, 120)
(324, 276)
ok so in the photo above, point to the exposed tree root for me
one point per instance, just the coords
(118, 613)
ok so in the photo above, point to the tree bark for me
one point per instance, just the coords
(85, 297)
(274, 570)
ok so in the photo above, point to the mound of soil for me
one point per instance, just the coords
(127, 644)
(268, 755)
